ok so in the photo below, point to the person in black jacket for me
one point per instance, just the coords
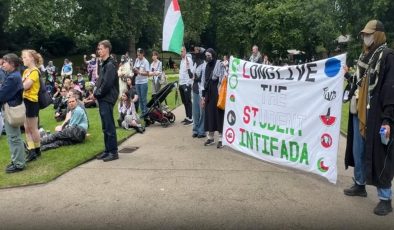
(375, 111)
(11, 92)
(106, 93)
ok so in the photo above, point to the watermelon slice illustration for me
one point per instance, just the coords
(328, 119)
(320, 165)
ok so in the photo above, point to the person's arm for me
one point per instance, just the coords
(30, 79)
(146, 69)
(107, 80)
(135, 98)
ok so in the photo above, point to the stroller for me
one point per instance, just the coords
(158, 112)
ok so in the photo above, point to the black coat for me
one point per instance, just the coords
(107, 86)
(378, 157)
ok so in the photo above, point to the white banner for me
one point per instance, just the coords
(288, 115)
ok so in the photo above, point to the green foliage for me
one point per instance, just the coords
(229, 26)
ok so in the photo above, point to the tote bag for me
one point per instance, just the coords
(16, 115)
(222, 94)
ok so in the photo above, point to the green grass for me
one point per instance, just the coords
(56, 162)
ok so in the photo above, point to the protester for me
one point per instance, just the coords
(60, 105)
(124, 71)
(256, 55)
(72, 132)
(214, 73)
(2, 78)
(11, 92)
(67, 70)
(128, 117)
(186, 71)
(31, 84)
(266, 60)
(225, 63)
(2, 72)
(50, 70)
(374, 110)
(91, 67)
(198, 111)
(141, 71)
(156, 68)
(81, 82)
(132, 92)
(107, 91)
(89, 101)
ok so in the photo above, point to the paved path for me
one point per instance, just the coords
(173, 182)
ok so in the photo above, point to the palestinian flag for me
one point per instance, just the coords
(172, 27)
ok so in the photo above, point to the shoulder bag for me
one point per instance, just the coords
(15, 115)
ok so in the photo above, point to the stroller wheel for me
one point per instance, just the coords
(164, 122)
(171, 117)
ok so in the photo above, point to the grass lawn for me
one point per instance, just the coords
(54, 163)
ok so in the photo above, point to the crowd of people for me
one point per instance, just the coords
(201, 75)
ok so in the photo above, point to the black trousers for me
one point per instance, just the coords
(108, 125)
(186, 97)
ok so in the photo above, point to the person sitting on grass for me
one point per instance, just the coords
(61, 105)
(90, 101)
(72, 131)
(128, 117)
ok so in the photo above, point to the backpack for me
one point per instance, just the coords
(44, 99)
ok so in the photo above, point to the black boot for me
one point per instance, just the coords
(38, 151)
(356, 190)
(383, 208)
(111, 157)
(31, 155)
(102, 155)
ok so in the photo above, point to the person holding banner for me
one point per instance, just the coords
(214, 73)
(375, 113)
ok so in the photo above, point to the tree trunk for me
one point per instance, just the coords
(132, 51)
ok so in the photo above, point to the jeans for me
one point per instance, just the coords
(358, 153)
(186, 97)
(198, 115)
(108, 125)
(142, 92)
(16, 145)
(384, 193)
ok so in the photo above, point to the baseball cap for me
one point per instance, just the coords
(372, 26)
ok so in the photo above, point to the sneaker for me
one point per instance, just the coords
(31, 155)
(187, 123)
(102, 155)
(383, 208)
(184, 120)
(219, 145)
(209, 142)
(195, 135)
(356, 190)
(201, 136)
(13, 168)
